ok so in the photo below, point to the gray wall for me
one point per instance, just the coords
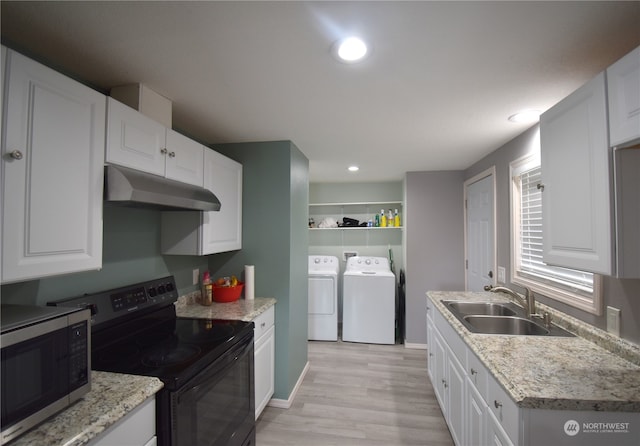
(275, 240)
(623, 294)
(434, 242)
(131, 253)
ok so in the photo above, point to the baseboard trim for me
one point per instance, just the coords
(415, 346)
(285, 404)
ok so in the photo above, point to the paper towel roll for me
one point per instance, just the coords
(249, 289)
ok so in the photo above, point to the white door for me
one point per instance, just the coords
(480, 232)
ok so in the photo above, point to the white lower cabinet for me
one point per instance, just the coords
(264, 358)
(480, 412)
(136, 429)
(477, 410)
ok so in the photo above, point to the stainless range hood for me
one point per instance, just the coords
(128, 187)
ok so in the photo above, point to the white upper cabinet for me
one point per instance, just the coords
(184, 159)
(203, 233)
(134, 140)
(623, 88)
(137, 141)
(52, 164)
(575, 170)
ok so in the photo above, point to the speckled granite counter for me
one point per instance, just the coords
(112, 396)
(240, 310)
(539, 372)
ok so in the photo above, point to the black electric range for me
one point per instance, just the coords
(201, 362)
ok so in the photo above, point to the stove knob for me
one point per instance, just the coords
(161, 289)
(169, 287)
(152, 292)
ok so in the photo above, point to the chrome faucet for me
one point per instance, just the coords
(528, 302)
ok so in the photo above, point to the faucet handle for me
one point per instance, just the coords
(488, 287)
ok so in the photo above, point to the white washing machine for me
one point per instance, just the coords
(369, 301)
(323, 298)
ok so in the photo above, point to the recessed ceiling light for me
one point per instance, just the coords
(350, 50)
(353, 168)
(525, 116)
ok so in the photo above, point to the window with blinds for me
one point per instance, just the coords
(579, 289)
(529, 233)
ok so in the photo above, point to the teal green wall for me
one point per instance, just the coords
(131, 253)
(275, 240)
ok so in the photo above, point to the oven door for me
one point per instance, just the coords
(216, 407)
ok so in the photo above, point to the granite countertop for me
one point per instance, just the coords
(592, 371)
(112, 397)
(240, 310)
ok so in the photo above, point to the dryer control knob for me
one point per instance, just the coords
(368, 262)
(317, 260)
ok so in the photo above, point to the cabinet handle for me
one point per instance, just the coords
(474, 371)
(444, 382)
(16, 155)
(172, 154)
(163, 151)
(540, 187)
(263, 324)
(497, 404)
(430, 354)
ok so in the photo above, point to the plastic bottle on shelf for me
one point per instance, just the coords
(376, 221)
(396, 219)
(383, 219)
(390, 220)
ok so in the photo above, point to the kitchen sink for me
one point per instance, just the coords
(503, 318)
(509, 325)
(483, 308)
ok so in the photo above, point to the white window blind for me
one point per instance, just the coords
(530, 234)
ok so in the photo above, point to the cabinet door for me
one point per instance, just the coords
(496, 435)
(222, 230)
(264, 363)
(184, 159)
(134, 140)
(430, 347)
(456, 396)
(52, 185)
(475, 425)
(575, 170)
(623, 88)
(440, 372)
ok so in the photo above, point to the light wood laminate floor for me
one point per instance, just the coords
(359, 394)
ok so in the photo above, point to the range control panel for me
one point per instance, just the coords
(112, 304)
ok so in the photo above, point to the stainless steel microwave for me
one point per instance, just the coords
(46, 363)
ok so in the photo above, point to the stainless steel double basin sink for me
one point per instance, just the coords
(501, 318)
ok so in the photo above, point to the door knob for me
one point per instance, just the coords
(16, 155)
(490, 274)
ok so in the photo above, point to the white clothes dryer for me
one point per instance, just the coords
(323, 298)
(369, 301)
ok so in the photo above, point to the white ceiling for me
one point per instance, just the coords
(435, 93)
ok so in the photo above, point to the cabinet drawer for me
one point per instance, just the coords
(477, 373)
(453, 339)
(137, 428)
(263, 323)
(504, 409)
